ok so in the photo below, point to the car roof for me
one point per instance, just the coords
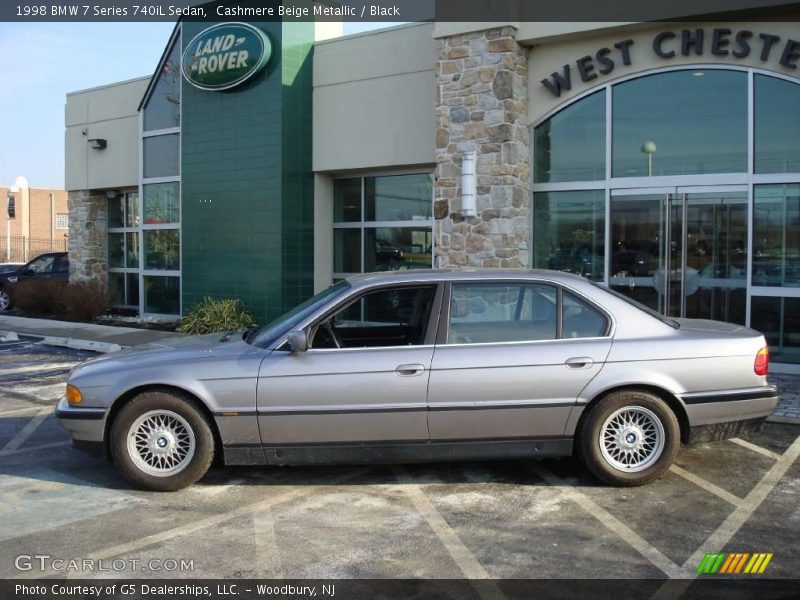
(482, 274)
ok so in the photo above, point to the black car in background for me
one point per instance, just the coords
(53, 266)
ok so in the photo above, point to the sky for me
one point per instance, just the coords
(44, 61)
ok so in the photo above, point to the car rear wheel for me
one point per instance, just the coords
(161, 442)
(5, 300)
(629, 438)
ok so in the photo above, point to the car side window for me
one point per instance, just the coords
(482, 313)
(62, 265)
(579, 319)
(386, 317)
(43, 264)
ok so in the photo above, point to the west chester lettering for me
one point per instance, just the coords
(722, 42)
(215, 55)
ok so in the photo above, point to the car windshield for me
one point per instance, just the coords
(655, 314)
(266, 335)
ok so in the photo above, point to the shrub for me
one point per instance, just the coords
(86, 300)
(45, 297)
(211, 316)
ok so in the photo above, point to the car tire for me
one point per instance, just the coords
(628, 438)
(5, 299)
(161, 442)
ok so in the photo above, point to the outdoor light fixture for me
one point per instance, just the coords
(97, 143)
(468, 188)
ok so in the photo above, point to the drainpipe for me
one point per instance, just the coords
(52, 216)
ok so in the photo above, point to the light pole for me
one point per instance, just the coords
(649, 148)
(11, 209)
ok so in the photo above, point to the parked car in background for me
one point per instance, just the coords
(431, 365)
(52, 266)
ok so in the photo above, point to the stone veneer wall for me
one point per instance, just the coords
(88, 238)
(481, 105)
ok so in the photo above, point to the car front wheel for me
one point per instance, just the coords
(161, 442)
(629, 438)
(5, 300)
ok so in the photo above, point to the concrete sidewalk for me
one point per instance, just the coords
(82, 336)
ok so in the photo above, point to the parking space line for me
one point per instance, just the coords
(26, 432)
(449, 538)
(755, 448)
(637, 542)
(267, 552)
(35, 448)
(16, 411)
(276, 497)
(707, 486)
(744, 511)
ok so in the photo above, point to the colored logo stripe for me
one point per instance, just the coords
(734, 563)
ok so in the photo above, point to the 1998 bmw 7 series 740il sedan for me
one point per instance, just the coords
(427, 366)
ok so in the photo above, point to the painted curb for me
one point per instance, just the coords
(101, 347)
(8, 336)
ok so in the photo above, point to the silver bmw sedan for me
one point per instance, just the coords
(427, 366)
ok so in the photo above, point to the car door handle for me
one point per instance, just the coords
(579, 362)
(410, 370)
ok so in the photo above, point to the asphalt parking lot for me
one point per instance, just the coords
(478, 520)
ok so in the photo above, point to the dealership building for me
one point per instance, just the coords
(264, 160)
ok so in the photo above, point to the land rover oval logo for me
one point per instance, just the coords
(225, 55)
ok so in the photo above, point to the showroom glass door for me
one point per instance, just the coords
(682, 251)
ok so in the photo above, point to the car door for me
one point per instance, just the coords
(511, 359)
(39, 268)
(364, 377)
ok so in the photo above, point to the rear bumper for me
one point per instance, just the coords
(723, 414)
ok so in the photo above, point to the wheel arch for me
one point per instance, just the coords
(180, 392)
(675, 405)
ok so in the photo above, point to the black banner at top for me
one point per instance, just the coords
(484, 11)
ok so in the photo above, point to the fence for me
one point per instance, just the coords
(23, 248)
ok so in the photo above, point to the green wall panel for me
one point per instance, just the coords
(247, 186)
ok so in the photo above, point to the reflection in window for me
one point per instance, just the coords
(162, 295)
(116, 250)
(779, 320)
(680, 123)
(163, 109)
(162, 249)
(160, 156)
(347, 200)
(347, 250)
(569, 229)
(777, 125)
(776, 235)
(398, 198)
(397, 248)
(502, 313)
(571, 145)
(161, 203)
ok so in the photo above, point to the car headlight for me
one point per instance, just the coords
(73, 394)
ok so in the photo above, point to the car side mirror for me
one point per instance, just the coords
(298, 341)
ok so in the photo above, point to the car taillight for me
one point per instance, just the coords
(761, 366)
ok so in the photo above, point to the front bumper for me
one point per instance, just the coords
(83, 424)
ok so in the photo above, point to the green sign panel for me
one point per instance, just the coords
(225, 55)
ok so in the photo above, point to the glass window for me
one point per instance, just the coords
(390, 317)
(347, 200)
(347, 250)
(680, 123)
(132, 249)
(116, 250)
(571, 145)
(777, 125)
(43, 264)
(397, 248)
(502, 313)
(62, 220)
(161, 203)
(398, 198)
(116, 211)
(569, 229)
(133, 289)
(160, 156)
(776, 235)
(779, 320)
(162, 295)
(580, 320)
(163, 108)
(162, 249)
(132, 209)
(116, 288)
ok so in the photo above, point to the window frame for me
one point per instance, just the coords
(431, 327)
(443, 334)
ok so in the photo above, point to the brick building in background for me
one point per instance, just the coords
(40, 223)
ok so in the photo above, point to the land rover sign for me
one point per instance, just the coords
(225, 55)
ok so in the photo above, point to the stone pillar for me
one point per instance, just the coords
(482, 105)
(88, 236)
